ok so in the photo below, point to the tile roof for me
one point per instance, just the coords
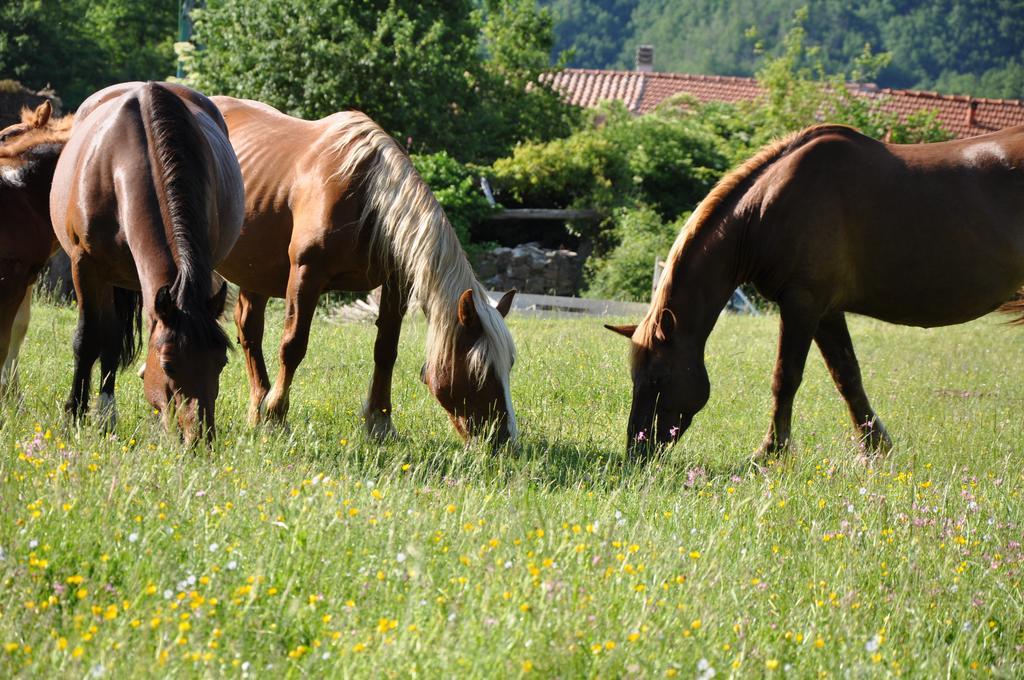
(642, 92)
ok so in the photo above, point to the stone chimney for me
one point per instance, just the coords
(645, 58)
(972, 107)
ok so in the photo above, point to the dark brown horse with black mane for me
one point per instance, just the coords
(335, 204)
(825, 222)
(148, 196)
(28, 158)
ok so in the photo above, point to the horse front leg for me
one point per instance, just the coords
(304, 287)
(796, 330)
(250, 319)
(14, 312)
(833, 338)
(19, 329)
(394, 301)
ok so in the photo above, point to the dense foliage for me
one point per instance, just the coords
(454, 185)
(667, 159)
(80, 46)
(646, 173)
(437, 74)
(958, 46)
(625, 272)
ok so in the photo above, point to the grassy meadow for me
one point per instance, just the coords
(312, 551)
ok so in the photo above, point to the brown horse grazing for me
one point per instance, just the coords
(825, 222)
(336, 204)
(148, 195)
(28, 158)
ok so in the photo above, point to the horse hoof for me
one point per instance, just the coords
(769, 450)
(382, 429)
(273, 410)
(875, 439)
(106, 413)
(255, 415)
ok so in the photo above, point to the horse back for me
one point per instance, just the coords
(883, 227)
(297, 204)
(109, 184)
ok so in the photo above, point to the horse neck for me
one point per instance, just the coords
(37, 182)
(701, 278)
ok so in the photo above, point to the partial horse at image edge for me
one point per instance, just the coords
(28, 157)
(823, 222)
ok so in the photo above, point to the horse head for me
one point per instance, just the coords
(187, 352)
(670, 382)
(474, 392)
(31, 119)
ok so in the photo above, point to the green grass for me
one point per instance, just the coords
(313, 551)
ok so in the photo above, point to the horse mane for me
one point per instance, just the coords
(723, 193)
(179, 158)
(412, 232)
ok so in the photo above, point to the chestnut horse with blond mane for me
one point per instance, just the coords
(147, 195)
(28, 158)
(335, 204)
(824, 222)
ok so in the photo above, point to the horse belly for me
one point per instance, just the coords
(938, 296)
(259, 262)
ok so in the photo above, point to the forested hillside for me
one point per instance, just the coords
(960, 46)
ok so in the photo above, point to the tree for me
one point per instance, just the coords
(417, 67)
(800, 92)
(80, 46)
(963, 46)
(593, 32)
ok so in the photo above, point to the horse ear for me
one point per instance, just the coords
(467, 310)
(218, 300)
(505, 303)
(163, 305)
(626, 331)
(42, 114)
(666, 325)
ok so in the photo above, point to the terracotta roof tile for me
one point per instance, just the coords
(643, 92)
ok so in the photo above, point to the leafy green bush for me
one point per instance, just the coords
(625, 272)
(454, 186)
(667, 159)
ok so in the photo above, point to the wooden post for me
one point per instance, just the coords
(659, 270)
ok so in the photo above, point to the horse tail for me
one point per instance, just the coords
(179, 154)
(128, 309)
(1015, 306)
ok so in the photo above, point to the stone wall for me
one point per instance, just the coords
(530, 269)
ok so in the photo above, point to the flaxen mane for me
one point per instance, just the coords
(179, 157)
(728, 190)
(412, 231)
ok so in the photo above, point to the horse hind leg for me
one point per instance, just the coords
(93, 297)
(250, 318)
(304, 287)
(377, 410)
(833, 338)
